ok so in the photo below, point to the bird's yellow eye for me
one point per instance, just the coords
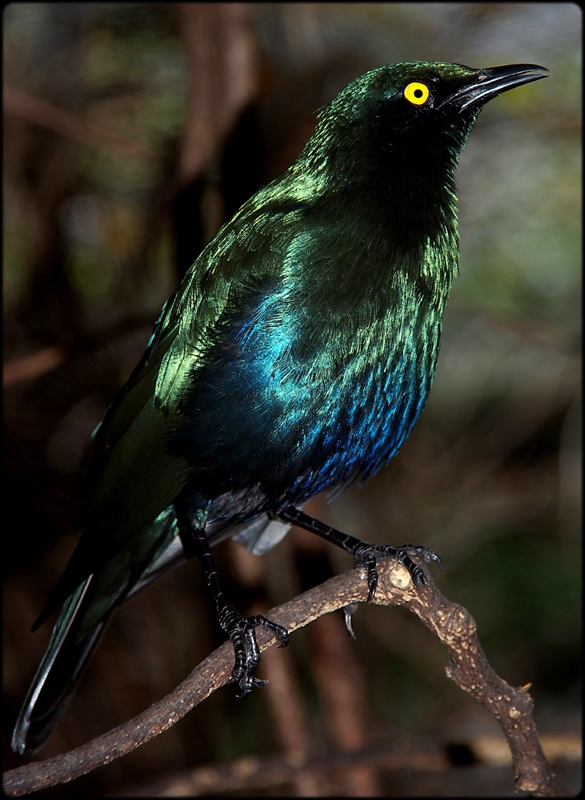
(416, 93)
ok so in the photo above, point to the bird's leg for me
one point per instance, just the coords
(364, 554)
(239, 629)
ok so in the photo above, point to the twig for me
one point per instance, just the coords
(32, 109)
(450, 622)
(249, 773)
(471, 671)
(32, 366)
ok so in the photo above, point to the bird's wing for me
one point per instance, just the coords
(133, 477)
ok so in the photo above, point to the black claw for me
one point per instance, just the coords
(280, 632)
(247, 687)
(424, 552)
(348, 612)
(242, 634)
(365, 555)
(372, 579)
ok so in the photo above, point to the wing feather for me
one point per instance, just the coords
(134, 477)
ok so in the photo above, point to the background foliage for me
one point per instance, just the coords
(131, 130)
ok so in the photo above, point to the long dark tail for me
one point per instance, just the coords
(79, 627)
(83, 620)
(58, 674)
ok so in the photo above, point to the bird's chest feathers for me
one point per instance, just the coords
(340, 377)
(325, 370)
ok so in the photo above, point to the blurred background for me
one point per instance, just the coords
(131, 131)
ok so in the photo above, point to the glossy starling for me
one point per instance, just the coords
(295, 356)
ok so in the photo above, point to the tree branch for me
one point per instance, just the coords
(32, 109)
(453, 625)
(251, 773)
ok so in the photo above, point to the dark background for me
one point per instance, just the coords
(131, 131)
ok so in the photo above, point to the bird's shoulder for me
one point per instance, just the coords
(249, 251)
(248, 256)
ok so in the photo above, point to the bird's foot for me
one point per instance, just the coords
(366, 555)
(242, 634)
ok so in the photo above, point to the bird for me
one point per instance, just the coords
(295, 357)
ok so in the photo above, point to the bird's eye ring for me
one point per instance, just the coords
(417, 93)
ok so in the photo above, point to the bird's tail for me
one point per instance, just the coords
(83, 620)
(58, 674)
(86, 613)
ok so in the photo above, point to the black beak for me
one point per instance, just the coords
(490, 82)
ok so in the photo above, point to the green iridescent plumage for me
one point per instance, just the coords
(296, 355)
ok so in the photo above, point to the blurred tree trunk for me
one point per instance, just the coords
(221, 63)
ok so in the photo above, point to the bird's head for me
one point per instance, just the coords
(414, 114)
